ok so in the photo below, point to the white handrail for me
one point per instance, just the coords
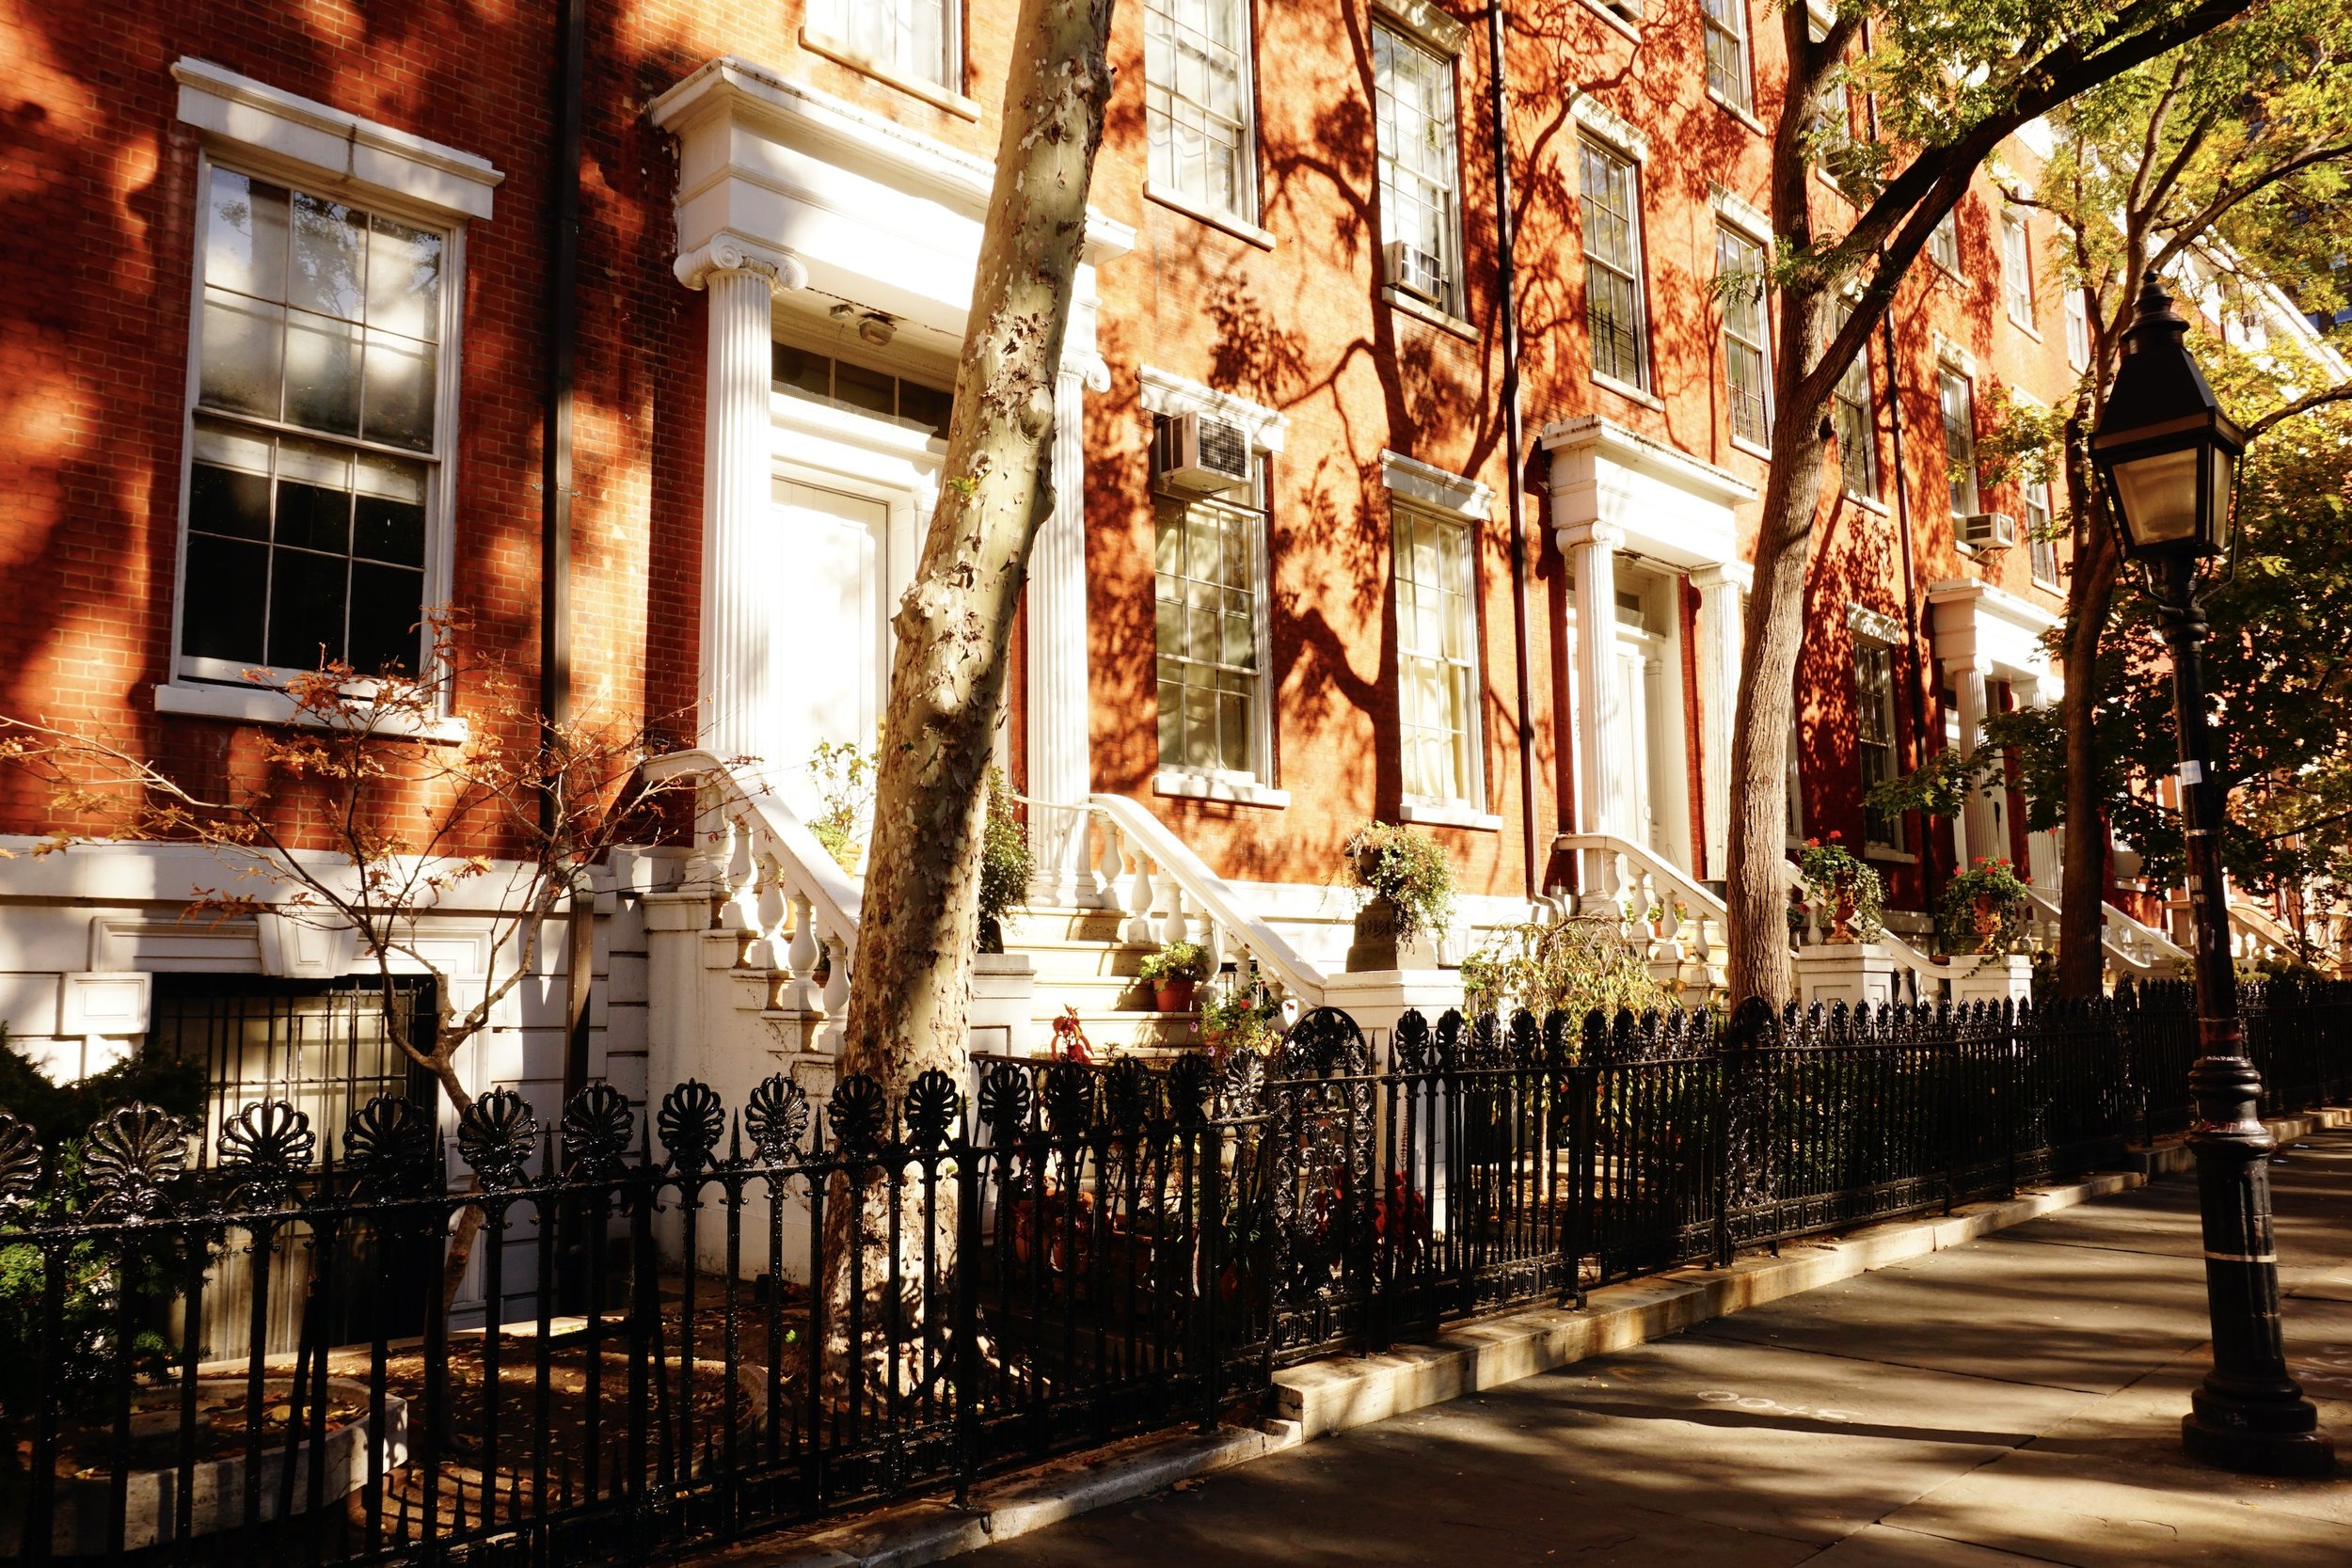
(2132, 947)
(1684, 926)
(1671, 877)
(1161, 852)
(772, 882)
(2267, 931)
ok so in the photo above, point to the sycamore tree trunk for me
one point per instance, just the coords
(1753, 882)
(2090, 595)
(910, 983)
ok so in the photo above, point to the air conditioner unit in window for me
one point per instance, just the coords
(1629, 9)
(1412, 270)
(1203, 454)
(1988, 530)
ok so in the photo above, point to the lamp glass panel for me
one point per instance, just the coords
(2158, 496)
(2221, 474)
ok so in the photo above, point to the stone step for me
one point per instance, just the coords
(1127, 1030)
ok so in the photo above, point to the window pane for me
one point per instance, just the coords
(313, 497)
(228, 483)
(405, 278)
(222, 603)
(322, 373)
(873, 390)
(400, 375)
(330, 257)
(306, 623)
(244, 235)
(387, 610)
(1197, 110)
(389, 518)
(243, 339)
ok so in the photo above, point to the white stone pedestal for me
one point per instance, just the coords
(1003, 997)
(1992, 979)
(1849, 972)
(1375, 999)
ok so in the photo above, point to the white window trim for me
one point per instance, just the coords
(1764, 322)
(1442, 33)
(1447, 48)
(1598, 118)
(311, 142)
(1738, 213)
(1241, 223)
(1640, 223)
(255, 702)
(1166, 394)
(1427, 487)
(822, 40)
(2030, 324)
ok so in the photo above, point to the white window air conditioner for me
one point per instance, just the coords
(1204, 454)
(1414, 270)
(1629, 9)
(1988, 530)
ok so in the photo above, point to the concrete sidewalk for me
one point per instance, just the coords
(2015, 1400)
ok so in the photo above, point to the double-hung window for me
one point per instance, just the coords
(1747, 380)
(2041, 547)
(1421, 201)
(1727, 24)
(1198, 104)
(1210, 618)
(1874, 732)
(2017, 270)
(317, 433)
(1957, 403)
(2077, 332)
(1611, 205)
(911, 38)
(1854, 419)
(1944, 242)
(1437, 662)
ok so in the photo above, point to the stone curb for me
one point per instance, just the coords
(1341, 1392)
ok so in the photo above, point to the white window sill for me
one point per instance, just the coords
(1627, 390)
(841, 52)
(1753, 449)
(1449, 813)
(1892, 856)
(1179, 784)
(1421, 309)
(2027, 328)
(1744, 117)
(1240, 228)
(263, 705)
(1619, 23)
(2047, 586)
(1868, 503)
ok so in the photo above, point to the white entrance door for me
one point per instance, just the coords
(828, 646)
(1653, 789)
(1636, 705)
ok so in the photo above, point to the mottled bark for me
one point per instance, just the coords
(910, 983)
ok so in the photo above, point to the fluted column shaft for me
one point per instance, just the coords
(1721, 589)
(1599, 719)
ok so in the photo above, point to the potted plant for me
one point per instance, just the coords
(1838, 883)
(1246, 1017)
(1172, 973)
(1006, 864)
(1408, 884)
(843, 773)
(1984, 909)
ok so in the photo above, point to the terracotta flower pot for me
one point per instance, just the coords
(1175, 996)
(1841, 917)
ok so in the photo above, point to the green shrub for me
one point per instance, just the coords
(1408, 867)
(1576, 967)
(1006, 864)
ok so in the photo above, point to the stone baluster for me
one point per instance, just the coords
(1173, 923)
(838, 951)
(1141, 900)
(735, 881)
(800, 958)
(765, 950)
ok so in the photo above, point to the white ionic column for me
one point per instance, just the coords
(741, 277)
(1062, 767)
(1981, 833)
(1592, 551)
(1723, 592)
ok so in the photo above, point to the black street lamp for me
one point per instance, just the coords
(2167, 457)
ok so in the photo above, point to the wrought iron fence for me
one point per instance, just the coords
(696, 1322)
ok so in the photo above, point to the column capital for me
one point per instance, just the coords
(1092, 371)
(729, 251)
(1723, 574)
(1968, 664)
(1608, 536)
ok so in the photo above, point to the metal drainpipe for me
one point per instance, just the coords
(1506, 306)
(555, 536)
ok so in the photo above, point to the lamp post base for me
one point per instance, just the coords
(2273, 1438)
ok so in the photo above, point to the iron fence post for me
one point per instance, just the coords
(1212, 1234)
(967, 1332)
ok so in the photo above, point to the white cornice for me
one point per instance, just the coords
(1993, 601)
(1166, 392)
(301, 131)
(805, 117)
(1431, 485)
(1630, 449)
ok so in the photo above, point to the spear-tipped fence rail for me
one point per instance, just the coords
(693, 1323)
